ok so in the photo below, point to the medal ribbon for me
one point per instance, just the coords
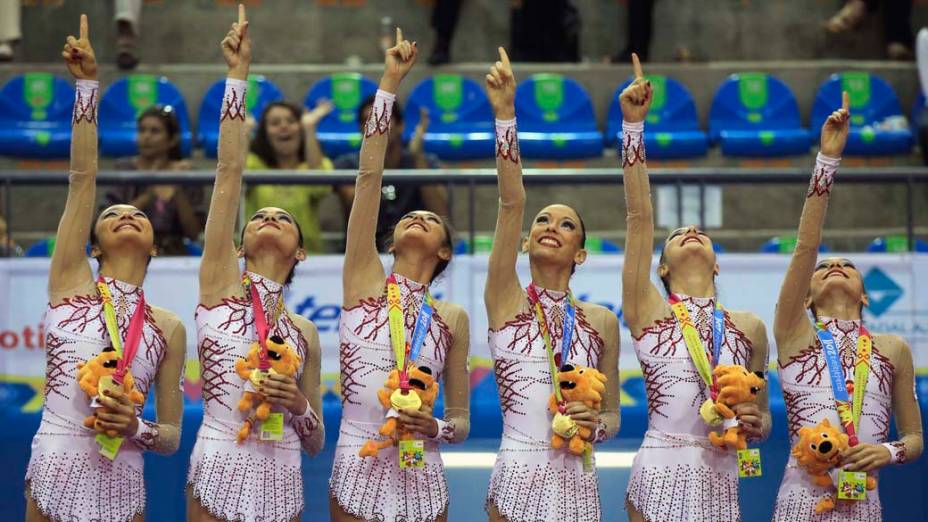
(570, 312)
(694, 342)
(848, 412)
(261, 324)
(406, 353)
(133, 333)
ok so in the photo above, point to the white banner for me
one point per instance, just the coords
(897, 285)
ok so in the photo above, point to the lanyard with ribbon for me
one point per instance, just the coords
(126, 353)
(405, 352)
(570, 313)
(694, 342)
(561, 424)
(848, 414)
(261, 323)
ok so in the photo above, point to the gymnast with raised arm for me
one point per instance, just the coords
(821, 302)
(535, 332)
(678, 474)
(106, 346)
(391, 323)
(243, 467)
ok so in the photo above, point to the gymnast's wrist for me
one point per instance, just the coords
(507, 112)
(389, 84)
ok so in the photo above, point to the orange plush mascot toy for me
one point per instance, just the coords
(283, 360)
(736, 385)
(421, 383)
(577, 383)
(96, 375)
(818, 452)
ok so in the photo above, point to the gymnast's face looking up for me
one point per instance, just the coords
(686, 247)
(120, 227)
(275, 229)
(836, 279)
(557, 236)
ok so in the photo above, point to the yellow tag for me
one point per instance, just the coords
(852, 485)
(273, 427)
(408, 401)
(749, 463)
(109, 446)
(412, 454)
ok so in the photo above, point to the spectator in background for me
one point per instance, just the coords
(8, 247)
(545, 31)
(398, 200)
(128, 18)
(286, 139)
(638, 26)
(174, 210)
(10, 30)
(444, 20)
(897, 22)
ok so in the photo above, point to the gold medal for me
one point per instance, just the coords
(564, 426)
(259, 375)
(709, 414)
(405, 401)
(106, 383)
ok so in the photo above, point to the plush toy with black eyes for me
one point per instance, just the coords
(96, 376)
(283, 361)
(819, 452)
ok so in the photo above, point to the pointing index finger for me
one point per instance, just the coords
(504, 57)
(241, 14)
(85, 30)
(845, 100)
(399, 36)
(636, 65)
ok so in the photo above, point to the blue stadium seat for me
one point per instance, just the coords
(339, 132)
(261, 92)
(917, 108)
(45, 247)
(755, 114)
(878, 126)
(128, 97)
(672, 123)
(895, 244)
(460, 117)
(785, 245)
(35, 116)
(556, 119)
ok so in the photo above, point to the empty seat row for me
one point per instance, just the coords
(752, 114)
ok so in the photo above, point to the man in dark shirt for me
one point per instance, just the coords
(398, 200)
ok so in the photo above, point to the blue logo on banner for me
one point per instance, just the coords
(881, 290)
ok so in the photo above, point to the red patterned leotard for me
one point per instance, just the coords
(375, 488)
(531, 480)
(809, 399)
(677, 473)
(255, 480)
(68, 478)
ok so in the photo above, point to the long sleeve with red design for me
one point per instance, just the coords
(504, 295)
(309, 426)
(907, 413)
(790, 322)
(641, 300)
(609, 414)
(363, 273)
(70, 273)
(455, 425)
(163, 435)
(219, 271)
